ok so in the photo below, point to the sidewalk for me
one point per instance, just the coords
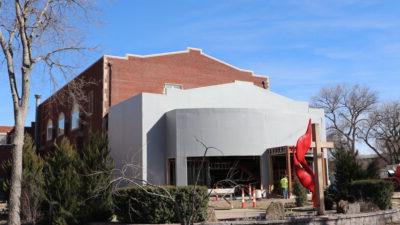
(239, 214)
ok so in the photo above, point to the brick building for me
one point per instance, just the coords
(5, 132)
(5, 144)
(6, 135)
(113, 79)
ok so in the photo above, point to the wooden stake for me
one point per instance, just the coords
(289, 171)
(318, 170)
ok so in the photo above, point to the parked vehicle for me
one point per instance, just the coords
(392, 174)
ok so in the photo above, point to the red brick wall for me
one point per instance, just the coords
(5, 129)
(5, 154)
(190, 69)
(89, 81)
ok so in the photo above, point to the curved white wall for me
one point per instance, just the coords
(234, 131)
(239, 118)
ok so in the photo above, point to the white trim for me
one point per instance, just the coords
(195, 49)
(261, 76)
(186, 51)
(158, 54)
(226, 64)
(115, 57)
(147, 56)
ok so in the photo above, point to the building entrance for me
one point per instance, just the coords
(224, 172)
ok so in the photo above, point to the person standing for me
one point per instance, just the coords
(284, 185)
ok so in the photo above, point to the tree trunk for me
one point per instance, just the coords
(16, 175)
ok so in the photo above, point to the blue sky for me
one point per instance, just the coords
(301, 45)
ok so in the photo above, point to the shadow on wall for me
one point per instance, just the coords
(156, 152)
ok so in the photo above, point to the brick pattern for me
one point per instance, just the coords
(89, 86)
(190, 69)
(5, 129)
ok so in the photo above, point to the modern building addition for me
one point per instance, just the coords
(160, 110)
(240, 120)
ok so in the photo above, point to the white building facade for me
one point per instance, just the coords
(157, 132)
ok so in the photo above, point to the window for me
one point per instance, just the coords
(61, 124)
(172, 180)
(49, 131)
(75, 117)
(171, 86)
(3, 139)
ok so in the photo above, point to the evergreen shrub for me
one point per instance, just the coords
(95, 168)
(375, 190)
(170, 204)
(346, 170)
(63, 185)
(328, 200)
(300, 192)
(32, 186)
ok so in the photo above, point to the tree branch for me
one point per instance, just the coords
(10, 68)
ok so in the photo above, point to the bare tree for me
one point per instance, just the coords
(346, 108)
(34, 34)
(381, 131)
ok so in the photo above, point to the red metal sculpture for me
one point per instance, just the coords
(303, 171)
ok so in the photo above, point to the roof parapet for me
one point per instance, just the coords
(188, 50)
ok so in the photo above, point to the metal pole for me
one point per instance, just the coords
(37, 142)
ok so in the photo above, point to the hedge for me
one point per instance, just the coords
(151, 204)
(375, 190)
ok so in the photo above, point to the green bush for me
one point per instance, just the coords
(161, 204)
(32, 186)
(372, 170)
(300, 192)
(377, 191)
(328, 199)
(346, 170)
(63, 185)
(191, 204)
(95, 169)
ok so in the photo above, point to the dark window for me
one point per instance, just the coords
(49, 130)
(172, 179)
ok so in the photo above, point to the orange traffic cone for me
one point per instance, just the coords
(254, 197)
(243, 201)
